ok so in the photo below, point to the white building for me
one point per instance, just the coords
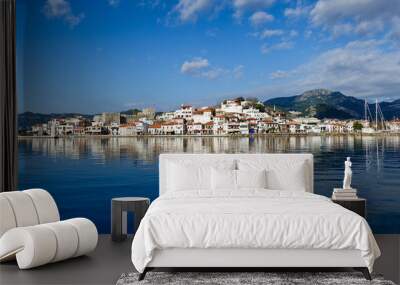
(315, 129)
(176, 127)
(232, 127)
(185, 112)
(127, 130)
(93, 130)
(255, 113)
(332, 127)
(73, 121)
(244, 128)
(194, 128)
(294, 127)
(64, 129)
(167, 128)
(231, 106)
(394, 126)
(97, 124)
(267, 126)
(155, 129)
(166, 116)
(40, 129)
(350, 126)
(113, 128)
(218, 127)
(307, 120)
(208, 128)
(141, 127)
(203, 116)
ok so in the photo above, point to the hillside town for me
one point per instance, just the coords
(232, 117)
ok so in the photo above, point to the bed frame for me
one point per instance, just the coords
(260, 259)
(246, 259)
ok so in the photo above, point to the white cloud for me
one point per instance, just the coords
(364, 17)
(283, 45)
(279, 74)
(213, 73)
(62, 9)
(361, 68)
(258, 18)
(395, 32)
(200, 67)
(189, 10)
(326, 11)
(193, 66)
(237, 72)
(369, 27)
(267, 33)
(366, 28)
(341, 29)
(243, 6)
(298, 11)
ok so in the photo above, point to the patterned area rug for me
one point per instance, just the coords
(242, 278)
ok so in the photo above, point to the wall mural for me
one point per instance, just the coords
(105, 86)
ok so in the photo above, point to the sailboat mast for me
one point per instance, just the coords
(376, 114)
(365, 110)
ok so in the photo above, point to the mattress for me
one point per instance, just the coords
(250, 219)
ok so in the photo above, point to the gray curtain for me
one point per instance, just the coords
(8, 100)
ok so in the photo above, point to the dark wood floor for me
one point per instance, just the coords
(110, 260)
(103, 266)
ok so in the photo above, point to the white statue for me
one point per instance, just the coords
(347, 174)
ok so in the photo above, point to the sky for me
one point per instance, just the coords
(92, 56)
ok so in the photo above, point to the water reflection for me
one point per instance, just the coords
(148, 148)
(97, 169)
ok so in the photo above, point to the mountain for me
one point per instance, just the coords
(27, 119)
(131, 112)
(323, 103)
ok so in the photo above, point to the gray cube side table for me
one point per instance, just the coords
(119, 208)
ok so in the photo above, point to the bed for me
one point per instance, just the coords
(246, 211)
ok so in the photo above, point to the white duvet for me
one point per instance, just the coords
(250, 219)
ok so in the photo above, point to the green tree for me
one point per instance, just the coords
(357, 126)
(260, 107)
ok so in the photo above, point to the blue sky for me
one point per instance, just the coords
(91, 56)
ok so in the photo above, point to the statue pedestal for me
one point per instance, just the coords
(350, 190)
(343, 194)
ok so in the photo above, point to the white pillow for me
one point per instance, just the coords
(223, 179)
(186, 175)
(251, 178)
(182, 178)
(291, 178)
(287, 175)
